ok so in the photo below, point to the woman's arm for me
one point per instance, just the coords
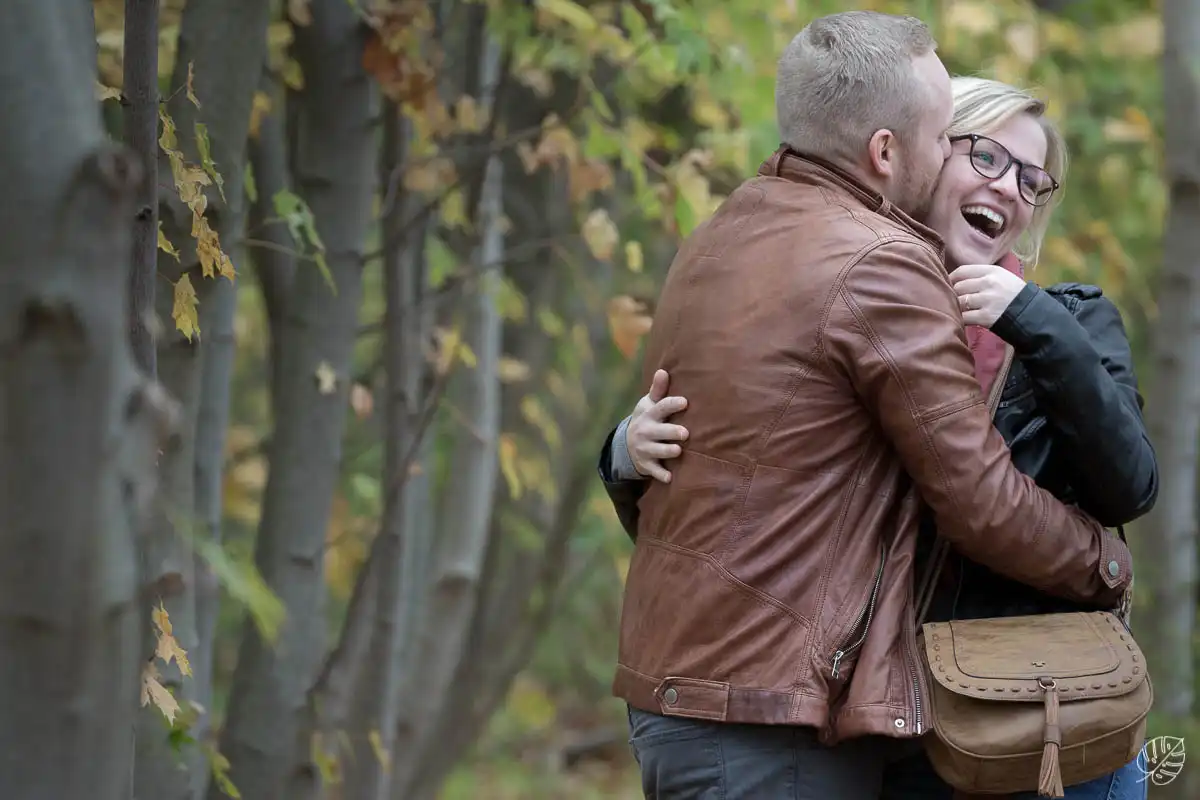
(1072, 342)
(627, 465)
(625, 486)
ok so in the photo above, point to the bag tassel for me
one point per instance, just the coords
(1050, 780)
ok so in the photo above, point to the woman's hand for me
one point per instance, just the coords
(648, 436)
(984, 292)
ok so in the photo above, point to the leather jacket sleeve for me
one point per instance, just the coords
(896, 333)
(624, 494)
(1073, 345)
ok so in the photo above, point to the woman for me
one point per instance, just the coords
(1070, 410)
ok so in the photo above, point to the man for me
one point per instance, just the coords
(767, 642)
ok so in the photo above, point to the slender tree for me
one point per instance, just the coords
(1174, 410)
(79, 425)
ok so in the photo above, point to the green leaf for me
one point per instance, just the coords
(442, 261)
(206, 161)
(685, 215)
(249, 184)
(571, 13)
(299, 219)
(243, 582)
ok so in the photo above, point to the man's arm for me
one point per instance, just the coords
(896, 332)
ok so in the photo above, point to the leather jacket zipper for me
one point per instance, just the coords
(914, 675)
(863, 619)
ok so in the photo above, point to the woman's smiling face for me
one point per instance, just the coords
(980, 218)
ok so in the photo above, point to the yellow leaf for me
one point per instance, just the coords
(454, 213)
(1061, 34)
(571, 13)
(361, 400)
(1022, 40)
(225, 267)
(528, 156)
(168, 647)
(557, 142)
(191, 94)
(510, 370)
(327, 762)
(600, 234)
(467, 355)
(708, 111)
(536, 415)
(183, 310)
(213, 260)
(450, 349)
(1133, 127)
(633, 256)
(430, 175)
(154, 692)
(166, 139)
(628, 322)
(530, 705)
(1140, 37)
(588, 176)
(164, 243)
(538, 80)
(299, 12)
(1062, 253)
(469, 116)
(971, 17)
(621, 563)
(381, 753)
(259, 110)
(507, 450)
(107, 92)
(292, 74)
(326, 378)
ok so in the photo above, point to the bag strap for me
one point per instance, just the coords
(937, 556)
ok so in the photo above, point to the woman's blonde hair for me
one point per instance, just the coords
(982, 106)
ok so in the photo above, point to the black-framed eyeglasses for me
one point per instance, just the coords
(992, 160)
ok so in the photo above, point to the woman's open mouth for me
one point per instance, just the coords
(987, 221)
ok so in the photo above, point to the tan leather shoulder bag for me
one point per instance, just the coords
(1033, 702)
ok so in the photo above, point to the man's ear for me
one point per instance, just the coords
(882, 153)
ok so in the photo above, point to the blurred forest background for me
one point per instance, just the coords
(392, 264)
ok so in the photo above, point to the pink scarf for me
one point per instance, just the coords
(986, 347)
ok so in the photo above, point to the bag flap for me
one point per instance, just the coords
(1087, 654)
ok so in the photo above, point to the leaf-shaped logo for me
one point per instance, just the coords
(1161, 760)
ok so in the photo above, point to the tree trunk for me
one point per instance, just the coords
(140, 96)
(404, 533)
(222, 44)
(335, 175)
(79, 427)
(1174, 408)
(216, 321)
(465, 515)
(271, 242)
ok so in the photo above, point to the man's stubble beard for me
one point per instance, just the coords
(918, 195)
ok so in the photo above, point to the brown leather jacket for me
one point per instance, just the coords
(813, 329)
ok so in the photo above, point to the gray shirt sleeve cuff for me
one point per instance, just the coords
(622, 464)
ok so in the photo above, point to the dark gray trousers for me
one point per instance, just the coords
(687, 759)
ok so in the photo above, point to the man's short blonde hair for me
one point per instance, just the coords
(846, 76)
(984, 106)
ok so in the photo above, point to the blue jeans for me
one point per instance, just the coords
(687, 759)
(1127, 783)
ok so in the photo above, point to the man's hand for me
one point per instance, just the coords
(648, 436)
(984, 292)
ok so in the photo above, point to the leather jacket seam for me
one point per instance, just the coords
(810, 645)
(757, 594)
